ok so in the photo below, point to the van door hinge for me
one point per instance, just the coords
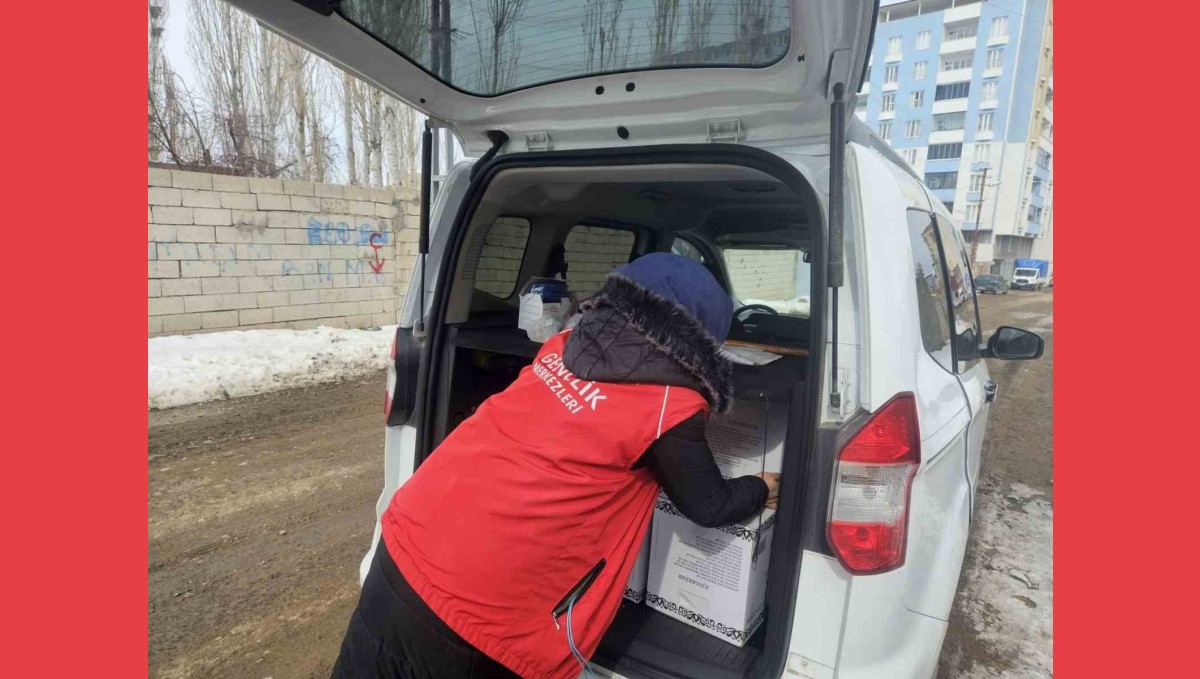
(538, 141)
(725, 131)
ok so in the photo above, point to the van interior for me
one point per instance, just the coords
(748, 228)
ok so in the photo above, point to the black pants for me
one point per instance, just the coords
(393, 633)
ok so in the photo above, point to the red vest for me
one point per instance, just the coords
(523, 499)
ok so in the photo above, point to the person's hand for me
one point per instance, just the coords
(772, 480)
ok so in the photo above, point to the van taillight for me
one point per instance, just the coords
(391, 381)
(868, 520)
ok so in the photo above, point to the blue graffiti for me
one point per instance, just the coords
(341, 233)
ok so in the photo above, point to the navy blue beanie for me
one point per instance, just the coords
(686, 283)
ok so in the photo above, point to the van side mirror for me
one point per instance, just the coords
(1015, 344)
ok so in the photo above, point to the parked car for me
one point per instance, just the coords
(991, 283)
(748, 166)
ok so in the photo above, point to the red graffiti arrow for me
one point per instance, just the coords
(376, 265)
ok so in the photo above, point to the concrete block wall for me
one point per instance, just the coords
(591, 253)
(229, 252)
(500, 260)
(763, 274)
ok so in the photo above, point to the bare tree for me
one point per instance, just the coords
(601, 35)
(752, 19)
(700, 15)
(297, 66)
(239, 74)
(349, 92)
(402, 145)
(662, 31)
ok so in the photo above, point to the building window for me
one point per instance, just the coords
(995, 58)
(945, 122)
(918, 99)
(960, 31)
(1043, 158)
(944, 151)
(1047, 130)
(941, 180)
(952, 91)
(1035, 214)
(972, 213)
(985, 122)
(885, 131)
(949, 206)
(910, 156)
(983, 153)
(999, 27)
(988, 93)
(919, 70)
(893, 45)
(1037, 186)
(912, 129)
(891, 74)
(976, 182)
(955, 62)
(867, 79)
(923, 40)
(887, 103)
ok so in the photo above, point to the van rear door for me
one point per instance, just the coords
(566, 74)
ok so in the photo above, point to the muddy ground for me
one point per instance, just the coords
(261, 507)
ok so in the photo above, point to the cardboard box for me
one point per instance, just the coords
(715, 579)
(635, 588)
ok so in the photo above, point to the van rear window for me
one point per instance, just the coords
(500, 256)
(497, 46)
(593, 251)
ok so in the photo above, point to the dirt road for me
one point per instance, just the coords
(261, 507)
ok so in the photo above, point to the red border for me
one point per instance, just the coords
(1125, 453)
(74, 480)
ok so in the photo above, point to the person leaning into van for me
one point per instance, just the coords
(508, 550)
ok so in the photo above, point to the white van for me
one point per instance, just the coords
(721, 130)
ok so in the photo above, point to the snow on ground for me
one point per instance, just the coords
(1008, 593)
(797, 305)
(185, 369)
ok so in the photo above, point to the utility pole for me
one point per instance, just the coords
(978, 220)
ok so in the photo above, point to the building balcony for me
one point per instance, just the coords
(988, 104)
(950, 105)
(945, 136)
(959, 45)
(956, 76)
(974, 196)
(890, 87)
(864, 89)
(1033, 228)
(985, 135)
(962, 13)
(1048, 114)
(997, 40)
(893, 58)
(994, 72)
(887, 115)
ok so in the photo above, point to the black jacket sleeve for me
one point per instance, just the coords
(684, 467)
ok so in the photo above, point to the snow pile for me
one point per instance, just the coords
(1008, 595)
(187, 369)
(797, 306)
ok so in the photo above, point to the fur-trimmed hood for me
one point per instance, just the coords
(630, 333)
